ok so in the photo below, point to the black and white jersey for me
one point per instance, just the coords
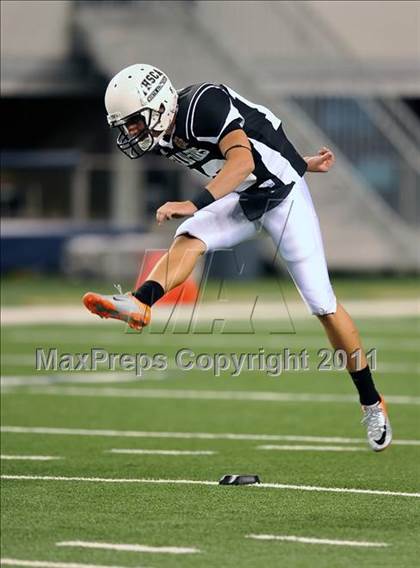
(206, 113)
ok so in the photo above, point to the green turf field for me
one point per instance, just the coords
(30, 289)
(311, 416)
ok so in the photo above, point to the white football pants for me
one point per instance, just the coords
(294, 227)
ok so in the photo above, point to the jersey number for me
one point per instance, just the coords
(190, 156)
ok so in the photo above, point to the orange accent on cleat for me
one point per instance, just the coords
(104, 307)
(382, 404)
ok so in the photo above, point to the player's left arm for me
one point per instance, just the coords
(322, 162)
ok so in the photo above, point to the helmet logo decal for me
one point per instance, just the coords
(157, 89)
(150, 80)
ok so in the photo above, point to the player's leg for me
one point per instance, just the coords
(172, 269)
(219, 225)
(343, 334)
(295, 228)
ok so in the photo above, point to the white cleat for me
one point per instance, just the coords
(378, 426)
(124, 307)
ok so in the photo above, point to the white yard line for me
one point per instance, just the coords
(278, 341)
(310, 540)
(32, 458)
(127, 377)
(83, 378)
(130, 547)
(200, 482)
(48, 564)
(207, 311)
(183, 394)
(163, 452)
(190, 435)
(314, 448)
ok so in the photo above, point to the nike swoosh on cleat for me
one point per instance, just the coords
(382, 438)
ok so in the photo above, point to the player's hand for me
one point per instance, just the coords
(322, 162)
(175, 210)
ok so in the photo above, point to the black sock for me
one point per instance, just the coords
(149, 292)
(366, 387)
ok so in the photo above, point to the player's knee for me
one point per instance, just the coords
(324, 317)
(188, 242)
(325, 310)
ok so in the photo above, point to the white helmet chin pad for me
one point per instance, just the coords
(140, 93)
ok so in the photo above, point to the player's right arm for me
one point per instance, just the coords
(215, 119)
(236, 148)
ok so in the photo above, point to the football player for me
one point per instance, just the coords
(256, 180)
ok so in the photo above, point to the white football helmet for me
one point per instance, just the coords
(143, 98)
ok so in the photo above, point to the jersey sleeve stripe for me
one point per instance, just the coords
(194, 105)
(191, 108)
(233, 115)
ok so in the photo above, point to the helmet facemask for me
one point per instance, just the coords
(148, 135)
